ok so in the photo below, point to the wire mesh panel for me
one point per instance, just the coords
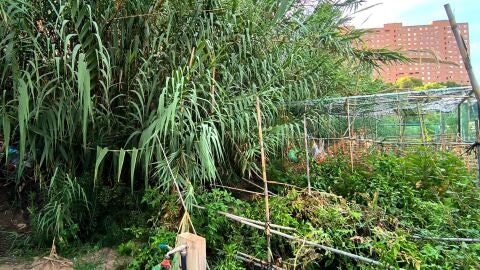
(440, 119)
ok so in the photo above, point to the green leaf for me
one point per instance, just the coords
(6, 135)
(133, 163)
(121, 158)
(101, 152)
(23, 112)
(83, 81)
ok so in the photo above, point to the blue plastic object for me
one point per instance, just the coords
(12, 150)
(163, 246)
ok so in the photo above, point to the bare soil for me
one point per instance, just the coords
(103, 259)
(11, 219)
(14, 222)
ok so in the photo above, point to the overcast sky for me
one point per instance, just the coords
(412, 12)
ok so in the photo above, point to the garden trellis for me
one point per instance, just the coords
(443, 118)
(408, 108)
(436, 100)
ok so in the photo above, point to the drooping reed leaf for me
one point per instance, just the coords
(101, 153)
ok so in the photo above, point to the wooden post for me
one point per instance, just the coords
(401, 128)
(471, 75)
(420, 117)
(401, 124)
(443, 125)
(349, 134)
(399, 117)
(364, 137)
(192, 56)
(467, 129)
(422, 125)
(443, 131)
(459, 121)
(265, 182)
(307, 161)
(196, 250)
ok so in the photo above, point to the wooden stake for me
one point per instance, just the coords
(349, 135)
(459, 120)
(192, 55)
(451, 239)
(306, 151)
(254, 261)
(401, 122)
(265, 182)
(212, 89)
(442, 128)
(467, 129)
(420, 117)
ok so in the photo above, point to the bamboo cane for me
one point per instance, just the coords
(307, 161)
(265, 182)
(349, 135)
(471, 75)
(446, 239)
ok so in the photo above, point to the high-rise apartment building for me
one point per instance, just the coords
(432, 48)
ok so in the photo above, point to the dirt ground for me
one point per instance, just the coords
(103, 259)
(37, 264)
(11, 219)
(13, 222)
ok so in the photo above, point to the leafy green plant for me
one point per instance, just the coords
(66, 207)
(229, 262)
(147, 254)
(423, 191)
